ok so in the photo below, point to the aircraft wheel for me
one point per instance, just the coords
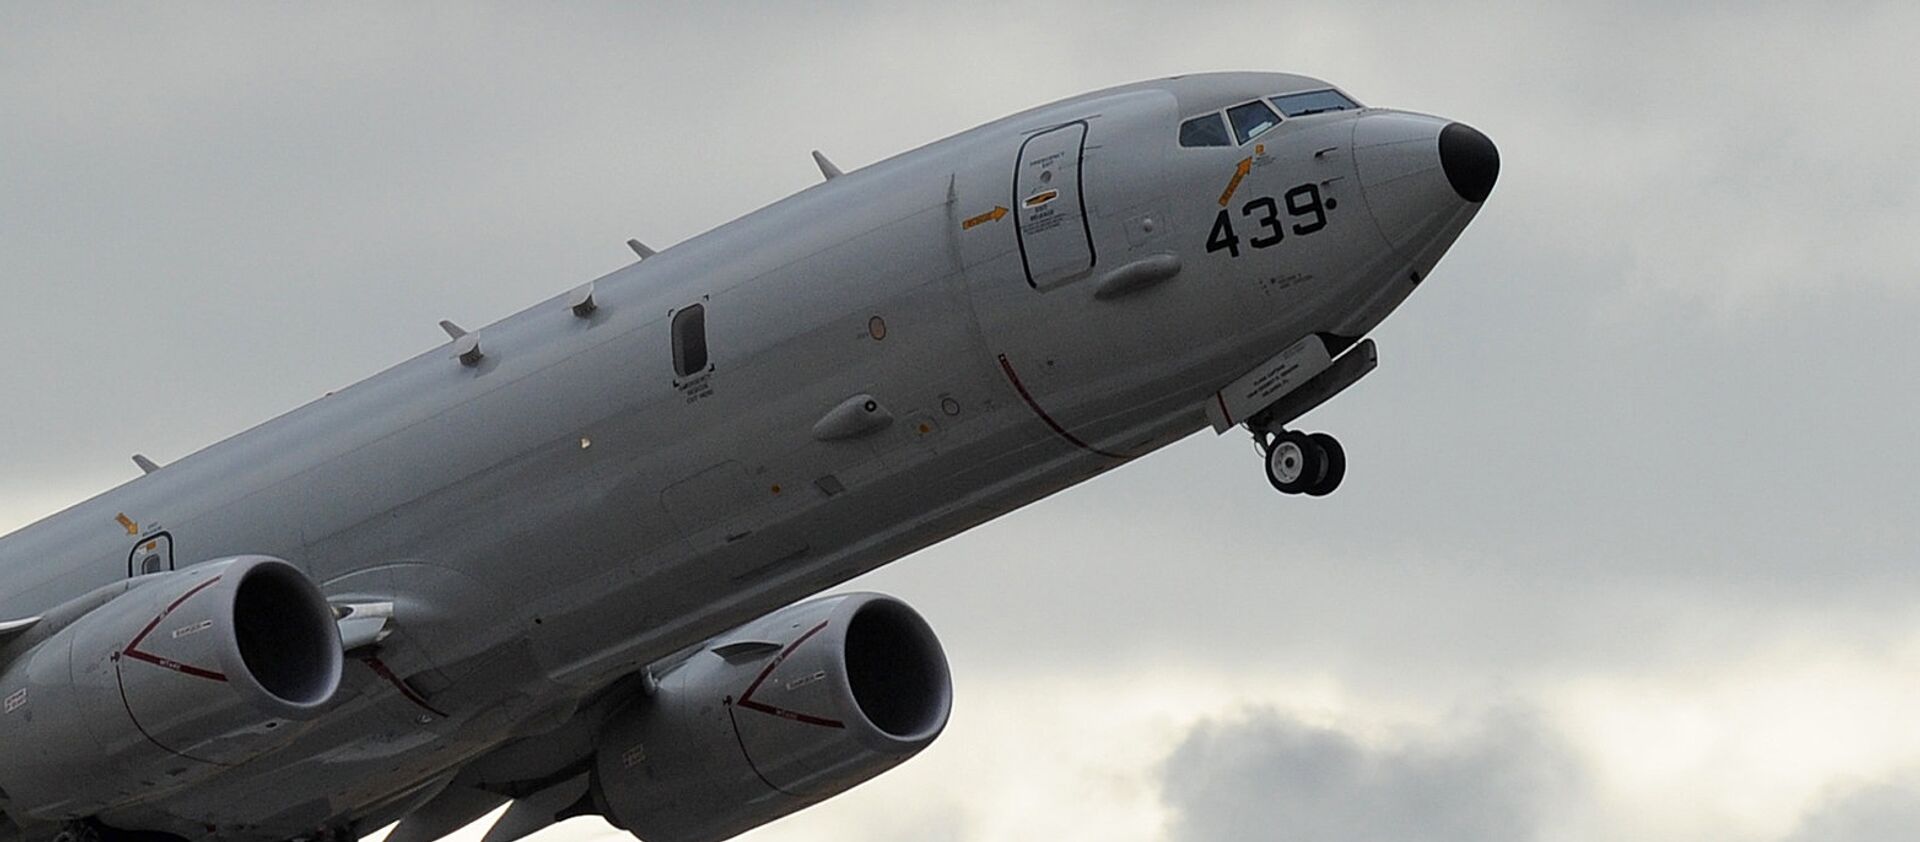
(1294, 464)
(1335, 459)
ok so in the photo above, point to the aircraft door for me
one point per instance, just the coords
(1089, 195)
(154, 554)
(1050, 208)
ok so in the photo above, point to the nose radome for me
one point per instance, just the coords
(1470, 160)
(1410, 190)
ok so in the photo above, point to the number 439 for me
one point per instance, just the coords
(1302, 201)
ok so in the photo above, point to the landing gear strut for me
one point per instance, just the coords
(1303, 463)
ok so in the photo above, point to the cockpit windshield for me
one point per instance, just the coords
(1313, 102)
(1251, 120)
(1204, 130)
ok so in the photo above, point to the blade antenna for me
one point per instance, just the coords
(826, 167)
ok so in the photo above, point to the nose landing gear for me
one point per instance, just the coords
(1297, 463)
(1303, 463)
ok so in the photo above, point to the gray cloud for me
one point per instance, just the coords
(1265, 776)
(1880, 812)
(926, 819)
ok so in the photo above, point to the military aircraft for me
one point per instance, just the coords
(568, 562)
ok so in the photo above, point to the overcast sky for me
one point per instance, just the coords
(1627, 546)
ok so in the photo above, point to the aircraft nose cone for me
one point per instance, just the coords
(1470, 161)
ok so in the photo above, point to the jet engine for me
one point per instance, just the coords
(180, 676)
(780, 714)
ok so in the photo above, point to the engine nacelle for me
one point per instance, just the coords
(183, 675)
(780, 714)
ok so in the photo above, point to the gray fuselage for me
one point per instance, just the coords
(571, 508)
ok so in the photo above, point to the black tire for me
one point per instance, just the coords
(1334, 457)
(1295, 464)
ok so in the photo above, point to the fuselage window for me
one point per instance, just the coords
(152, 564)
(1207, 130)
(1252, 120)
(1313, 102)
(690, 340)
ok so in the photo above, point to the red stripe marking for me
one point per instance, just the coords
(1020, 387)
(1222, 398)
(142, 636)
(176, 666)
(746, 699)
(133, 649)
(741, 741)
(801, 718)
(120, 680)
(381, 669)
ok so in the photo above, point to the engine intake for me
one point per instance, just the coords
(286, 642)
(778, 715)
(896, 671)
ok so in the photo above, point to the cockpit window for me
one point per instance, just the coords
(1313, 102)
(1252, 120)
(1208, 130)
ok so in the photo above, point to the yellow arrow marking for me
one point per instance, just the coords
(990, 216)
(1239, 173)
(128, 524)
